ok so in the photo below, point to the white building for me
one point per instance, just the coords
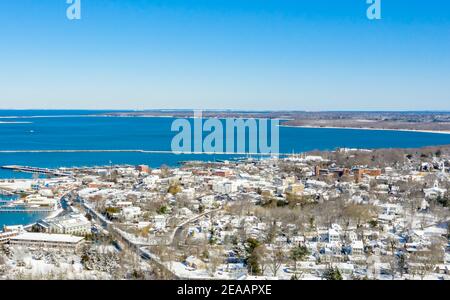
(131, 213)
(37, 200)
(434, 192)
(187, 193)
(124, 203)
(391, 209)
(208, 201)
(224, 187)
(75, 224)
(159, 222)
(357, 248)
(32, 239)
(333, 235)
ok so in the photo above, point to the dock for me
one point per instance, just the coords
(6, 193)
(24, 210)
(45, 171)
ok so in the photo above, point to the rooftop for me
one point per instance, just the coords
(46, 237)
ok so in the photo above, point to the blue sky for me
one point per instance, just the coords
(213, 54)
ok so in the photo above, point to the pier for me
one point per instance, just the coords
(45, 171)
(6, 193)
(10, 209)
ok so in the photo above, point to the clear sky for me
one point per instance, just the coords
(234, 54)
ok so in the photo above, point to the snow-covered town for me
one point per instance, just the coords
(345, 214)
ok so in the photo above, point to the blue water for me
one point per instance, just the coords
(72, 130)
(17, 218)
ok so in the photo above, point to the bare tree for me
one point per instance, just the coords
(262, 256)
(276, 259)
(425, 261)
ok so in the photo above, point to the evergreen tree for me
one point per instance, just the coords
(332, 274)
(298, 254)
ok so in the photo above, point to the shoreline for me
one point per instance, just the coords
(367, 128)
(51, 215)
(131, 115)
(21, 183)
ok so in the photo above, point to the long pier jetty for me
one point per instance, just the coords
(6, 193)
(7, 209)
(36, 170)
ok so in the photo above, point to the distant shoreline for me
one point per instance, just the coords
(366, 128)
(407, 121)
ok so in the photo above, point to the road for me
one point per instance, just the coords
(138, 249)
(176, 234)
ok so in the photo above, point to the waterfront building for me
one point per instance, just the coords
(75, 224)
(143, 169)
(37, 200)
(6, 236)
(33, 239)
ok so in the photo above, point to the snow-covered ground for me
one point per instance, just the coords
(30, 263)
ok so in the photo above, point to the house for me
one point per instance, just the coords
(159, 221)
(359, 173)
(223, 172)
(124, 204)
(186, 212)
(298, 239)
(143, 169)
(131, 212)
(194, 262)
(333, 236)
(188, 193)
(46, 193)
(295, 188)
(391, 209)
(352, 236)
(316, 184)
(434, 192)
(37, 200)
(224, 187)
(345, 268)
(424, 205)
(208, 201)
(357, 248)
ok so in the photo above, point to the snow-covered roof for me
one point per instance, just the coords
(358, 245)
(46, 237)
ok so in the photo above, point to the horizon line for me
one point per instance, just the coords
(228, 110)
